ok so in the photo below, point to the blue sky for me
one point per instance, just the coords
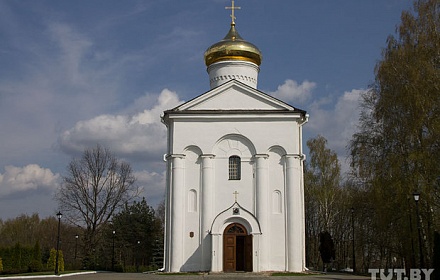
(77, 73)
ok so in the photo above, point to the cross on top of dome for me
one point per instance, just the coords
(233, 8)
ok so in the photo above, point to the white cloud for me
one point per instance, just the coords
(334, 119)
(31, 177)
(292, 92)
(126, 135)
(152, 184)
(337, 123)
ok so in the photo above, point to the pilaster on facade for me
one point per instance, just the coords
(207, 190)
(207, 194)
(295, 208)
(176, 196)
(262, 199)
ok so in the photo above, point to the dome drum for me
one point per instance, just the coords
(243, 71)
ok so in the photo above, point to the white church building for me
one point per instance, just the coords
(234, 188)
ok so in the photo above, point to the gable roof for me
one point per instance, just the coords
(234, 95)
(234, 98)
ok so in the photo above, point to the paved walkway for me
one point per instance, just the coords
(183, 276)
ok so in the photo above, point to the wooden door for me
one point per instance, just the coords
(237, 249)
(229, 252)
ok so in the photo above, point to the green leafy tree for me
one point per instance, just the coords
(138, 231)
(31, 232)
(94, 188)
(24, 229)
(396, 150)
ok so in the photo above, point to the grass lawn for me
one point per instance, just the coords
(179, 273)
(291, 274)
(38, 273)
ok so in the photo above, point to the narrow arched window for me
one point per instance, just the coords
(234, 168)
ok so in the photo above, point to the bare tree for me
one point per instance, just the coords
(324, 199)
(323, 182)
(94, 188)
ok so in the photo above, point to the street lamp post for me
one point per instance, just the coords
(59, 215)
(416, 199)
(113, 251)
(76, 244)
(352, 244)
(138, 255)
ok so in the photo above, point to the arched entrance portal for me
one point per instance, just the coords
(237, 249)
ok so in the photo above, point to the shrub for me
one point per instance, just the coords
(16, 259)
(36, 263)
(52, 260)
(35, 266)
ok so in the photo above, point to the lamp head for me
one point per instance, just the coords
(416, 196)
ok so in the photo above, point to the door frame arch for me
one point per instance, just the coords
(218, 226)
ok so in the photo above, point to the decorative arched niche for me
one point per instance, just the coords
(234, 144)
(192, 177)
(276, 177)
(192, 154)
(192, 200)
(277, 152)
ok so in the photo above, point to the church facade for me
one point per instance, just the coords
(234, 188)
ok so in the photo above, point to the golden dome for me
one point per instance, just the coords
(232, 47)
